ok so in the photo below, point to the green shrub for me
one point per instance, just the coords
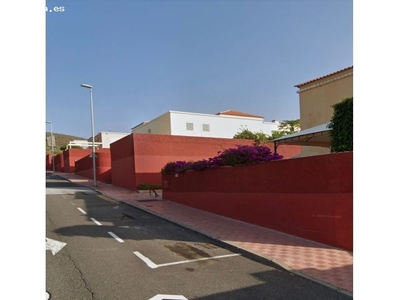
(342, 126)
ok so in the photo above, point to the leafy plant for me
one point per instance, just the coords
(342, 126)
(246, 134)
(285, 127)
(289, 126)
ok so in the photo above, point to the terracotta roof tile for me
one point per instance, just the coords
(307, 82)
(238, 113)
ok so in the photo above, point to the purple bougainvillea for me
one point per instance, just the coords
(229, 157)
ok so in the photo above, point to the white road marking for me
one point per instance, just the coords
(152, 265)
(54, 246)
(148, 262)
(168, 297)
(199, 259)
(72, 203)
(115, 237)
(82, 211)
(97, 222)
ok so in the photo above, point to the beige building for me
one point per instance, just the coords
(316, 98)
(318, 95)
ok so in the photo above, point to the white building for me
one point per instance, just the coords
(105, 138)
(221, 125)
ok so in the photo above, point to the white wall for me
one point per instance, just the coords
(160, 125)
(220, 126)
(110, 137)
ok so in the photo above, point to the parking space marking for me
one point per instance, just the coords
(82, 211)
(72, 203)
(97, 222)
(148, 262)
(168, 297)
(198, 259)
(115, 237)
(152, 265)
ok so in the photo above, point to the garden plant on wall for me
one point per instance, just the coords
(229, 157)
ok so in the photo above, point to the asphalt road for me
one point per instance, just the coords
(106, 250)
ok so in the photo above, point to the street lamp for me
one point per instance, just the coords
(93, 149)
(52, 145)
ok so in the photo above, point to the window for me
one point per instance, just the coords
(189, 126)
(206, 127)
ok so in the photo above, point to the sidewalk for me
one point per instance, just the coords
(327, 265)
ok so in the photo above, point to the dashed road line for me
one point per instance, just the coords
(152, 265)
(97, 222)
(115, 237)
(82, 211)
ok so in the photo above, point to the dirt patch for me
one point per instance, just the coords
(187, 251)
(207, 246)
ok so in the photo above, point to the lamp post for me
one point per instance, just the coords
(52, 144)
(93, 149)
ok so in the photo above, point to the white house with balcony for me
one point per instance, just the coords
(224, 124)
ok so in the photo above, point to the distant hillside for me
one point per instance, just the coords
(60, 140)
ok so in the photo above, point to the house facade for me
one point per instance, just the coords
(221, 125)
(105, 138)
(316, 98)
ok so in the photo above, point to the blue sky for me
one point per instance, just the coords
(144, 58)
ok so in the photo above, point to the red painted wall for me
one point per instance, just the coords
(49, 163)
(72, 155)
(310, 197)
(59, 162)
(139, 158)
(84, 166)
(122, 163)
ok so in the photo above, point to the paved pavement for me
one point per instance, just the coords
(330, 266)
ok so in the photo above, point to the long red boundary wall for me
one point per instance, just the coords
(309, 197)
(49, 162)
(73, 155)
(139, 158)
(84, 166)
(122, 163)
(59, 162)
